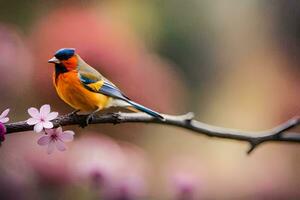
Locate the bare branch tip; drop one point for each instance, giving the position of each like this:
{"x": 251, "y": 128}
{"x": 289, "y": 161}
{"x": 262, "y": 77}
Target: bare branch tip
{"x": 250, "y": 150}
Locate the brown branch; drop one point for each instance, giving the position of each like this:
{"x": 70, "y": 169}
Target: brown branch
{"x": 277, "y": 134}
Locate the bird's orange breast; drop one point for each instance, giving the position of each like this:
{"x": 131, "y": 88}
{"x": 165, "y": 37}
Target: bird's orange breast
{"x": 70, "y": 89}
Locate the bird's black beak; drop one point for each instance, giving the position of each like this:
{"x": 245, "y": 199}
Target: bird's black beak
{"x": 54, "y": 60}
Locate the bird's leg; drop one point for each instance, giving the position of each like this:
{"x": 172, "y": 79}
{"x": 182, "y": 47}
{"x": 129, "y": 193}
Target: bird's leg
{"x": 74, "y": 112}
{"x": 88, "y": 119}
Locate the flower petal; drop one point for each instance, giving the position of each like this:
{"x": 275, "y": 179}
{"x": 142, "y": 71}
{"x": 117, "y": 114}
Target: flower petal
{"x": 45, "y": 110}
{"x": 60, "y": 145}
{"x": 58, "y": 131}
{"x": 38, "y": 127}
{"x": 44, "y": 140}
{"x": 51, "y": 116}
{"x": 32, "y": 121}
{"x": 4, "y": 120}
{"x": 33, "y": 112}
{"x": 50, "y": 147}
{"x": 4, "y": 113}
{"x": 67, "y": 136}
{"x": 49, "y": 131}
{"x": 2, "y": 132}
{"x": 48, "y": 125}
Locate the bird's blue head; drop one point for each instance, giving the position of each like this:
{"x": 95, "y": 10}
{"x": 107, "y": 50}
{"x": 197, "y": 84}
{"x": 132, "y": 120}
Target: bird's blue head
{"x": 65, "y": 59}
{"x": 64, "y": 53}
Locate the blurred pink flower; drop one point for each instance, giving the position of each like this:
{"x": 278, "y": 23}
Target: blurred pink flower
{"x": 97, "y": 159}
{"x": 2, "y": 132}
{"x": 3, "y": 116}
{"x": 16, "y": 59}
{"x": 41, "y": 119}
{"x": 185, "y": 178}
{"x": 56, "y": 138}
{"x": 185, "y": 185}
{"x": 3, "y": 119}
{"x": 130, "y": 182}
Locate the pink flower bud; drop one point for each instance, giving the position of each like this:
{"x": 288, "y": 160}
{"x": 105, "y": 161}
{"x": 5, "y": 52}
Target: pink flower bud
{"x": 2, "y": 132}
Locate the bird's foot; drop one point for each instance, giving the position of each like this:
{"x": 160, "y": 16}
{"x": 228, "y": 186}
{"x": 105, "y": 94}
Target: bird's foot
{"x": 85, "y": 122}
{"x": 89, "y": 118}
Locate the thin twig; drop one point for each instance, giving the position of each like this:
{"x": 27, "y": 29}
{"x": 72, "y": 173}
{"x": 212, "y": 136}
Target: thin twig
{"x": 277, "y": 134}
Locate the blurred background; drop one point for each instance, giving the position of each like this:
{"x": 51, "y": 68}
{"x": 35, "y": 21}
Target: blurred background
{"x": 234, "y": 63}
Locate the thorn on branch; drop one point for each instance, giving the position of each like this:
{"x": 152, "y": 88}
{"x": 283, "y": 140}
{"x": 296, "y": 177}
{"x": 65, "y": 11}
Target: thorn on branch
{"x": 252, "y": 147}
{"x": 189, "y": 116}
{"x": 253, "y": 144}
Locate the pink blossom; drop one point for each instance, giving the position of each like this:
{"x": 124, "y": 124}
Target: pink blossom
{"x": 2, "y": 132}
{"x": 56, "y": 138}
{"x": 3, "y": 118}
{"x": 185, "y": 177}
{"x": 41, "y": 119}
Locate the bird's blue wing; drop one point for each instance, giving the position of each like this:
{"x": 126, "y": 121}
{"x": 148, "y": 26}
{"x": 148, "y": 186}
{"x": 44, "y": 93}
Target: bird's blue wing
{"x": 88, "y": 78}
{"x": 110, "y": 90}
{"x": 103, "y": 86}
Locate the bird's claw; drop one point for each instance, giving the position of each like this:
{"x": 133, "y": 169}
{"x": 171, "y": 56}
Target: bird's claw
{"x": 86, "y": 121}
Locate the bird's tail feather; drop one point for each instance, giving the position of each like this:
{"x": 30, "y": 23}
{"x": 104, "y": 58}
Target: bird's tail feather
{"x": 145, "y": 109}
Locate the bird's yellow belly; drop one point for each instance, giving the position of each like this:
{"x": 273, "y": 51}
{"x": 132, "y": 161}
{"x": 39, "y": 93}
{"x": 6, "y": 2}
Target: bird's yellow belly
{"x": 76, "y": 95}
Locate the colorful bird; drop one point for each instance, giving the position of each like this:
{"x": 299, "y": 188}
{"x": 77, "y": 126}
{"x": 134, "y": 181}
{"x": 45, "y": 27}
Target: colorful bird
{"x": 85, "y": 89}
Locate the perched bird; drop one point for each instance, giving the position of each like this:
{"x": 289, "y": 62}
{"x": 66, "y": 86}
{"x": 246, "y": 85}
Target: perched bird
{"x": 85, "y": 89}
